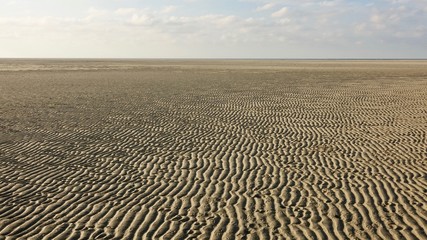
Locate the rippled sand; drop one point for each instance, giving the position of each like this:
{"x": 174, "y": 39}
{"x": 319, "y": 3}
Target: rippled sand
{"x": 168, "y": 149}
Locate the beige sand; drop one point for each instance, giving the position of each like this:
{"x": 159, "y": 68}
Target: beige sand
{"x": 213, "y": 149}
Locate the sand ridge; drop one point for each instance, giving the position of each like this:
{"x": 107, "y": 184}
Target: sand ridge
{"x": 214, "y": 150}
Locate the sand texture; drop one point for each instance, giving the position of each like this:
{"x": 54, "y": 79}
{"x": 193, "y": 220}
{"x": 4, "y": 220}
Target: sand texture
{"x": 192, "y": 149}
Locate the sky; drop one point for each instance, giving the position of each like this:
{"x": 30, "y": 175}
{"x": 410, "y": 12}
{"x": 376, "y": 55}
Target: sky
{"x": 213, "y": 29}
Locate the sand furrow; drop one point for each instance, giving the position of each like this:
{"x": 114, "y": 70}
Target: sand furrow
{"x": 213, "y": 150}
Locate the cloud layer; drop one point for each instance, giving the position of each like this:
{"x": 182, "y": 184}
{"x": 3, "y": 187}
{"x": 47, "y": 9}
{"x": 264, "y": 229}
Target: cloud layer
{"x": 203, "y": 28}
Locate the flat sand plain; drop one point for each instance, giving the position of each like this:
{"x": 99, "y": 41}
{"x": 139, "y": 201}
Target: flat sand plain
{"x": 169, "y": 149}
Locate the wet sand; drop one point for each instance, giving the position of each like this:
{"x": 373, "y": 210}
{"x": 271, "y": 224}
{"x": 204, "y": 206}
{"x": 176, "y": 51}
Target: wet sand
{"x": 173, "y": 149}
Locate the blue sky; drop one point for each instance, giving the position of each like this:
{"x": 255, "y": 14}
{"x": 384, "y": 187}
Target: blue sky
{"x": 214, "y": 29}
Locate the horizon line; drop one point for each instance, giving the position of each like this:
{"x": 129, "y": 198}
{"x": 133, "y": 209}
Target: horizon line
{"x": 184, "y": 58}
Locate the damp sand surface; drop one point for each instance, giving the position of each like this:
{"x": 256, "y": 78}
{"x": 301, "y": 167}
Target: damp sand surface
{"x": 204, "y": 149}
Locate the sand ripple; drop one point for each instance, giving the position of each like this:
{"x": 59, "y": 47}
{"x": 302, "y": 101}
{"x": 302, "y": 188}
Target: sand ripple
{"x": 181, "y": 153}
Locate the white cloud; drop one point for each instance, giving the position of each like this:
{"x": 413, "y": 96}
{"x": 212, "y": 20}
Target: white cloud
{"x": 125, "y": 11}
{"x": 265, "y": 7}
{"x": 137, "y": 19}
{"x": 224, "y": 21}
{"x": 329, "y": 25}
{"x": 330, "y": 3}
{"x": 168, "y": 9}
{"x": 280, "y": 13}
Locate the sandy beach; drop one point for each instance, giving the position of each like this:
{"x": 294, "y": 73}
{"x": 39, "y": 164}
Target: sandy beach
{"x": 213, "y": 149}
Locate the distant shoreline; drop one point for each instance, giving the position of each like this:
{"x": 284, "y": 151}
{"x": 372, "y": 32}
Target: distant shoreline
{"x": 222, "y": 59}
